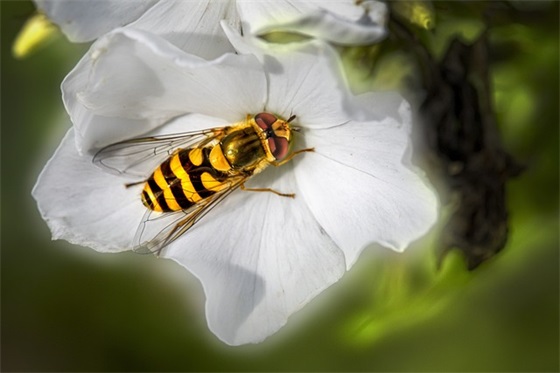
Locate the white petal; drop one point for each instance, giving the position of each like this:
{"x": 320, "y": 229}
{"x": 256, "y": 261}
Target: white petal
{"x": 260, "y": 257}
{"x": 84, "y": 205}
{"x": 132, "y": 82}
{"x": 307, "y": 81}
{"x": 189, "y": 122}
{"x": 258, "y": 15}
{"x": 342, "y": 22}
{"x": 359, "y": 189}
{"x": 367, "y": 11}
{"x": 87, "y": 20}
{"x": 193, "y": 26}
{"x": 304, "y": 79}
{"x": 381, "y": 105}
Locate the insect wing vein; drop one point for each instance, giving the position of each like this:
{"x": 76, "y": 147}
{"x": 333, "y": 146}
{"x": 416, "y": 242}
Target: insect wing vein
{"x": 140, "y": 156}
{"x": 158, "y": 230}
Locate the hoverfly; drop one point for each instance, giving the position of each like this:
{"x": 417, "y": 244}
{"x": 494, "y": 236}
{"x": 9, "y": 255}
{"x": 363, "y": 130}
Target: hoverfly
{"x": 194, "y": 171}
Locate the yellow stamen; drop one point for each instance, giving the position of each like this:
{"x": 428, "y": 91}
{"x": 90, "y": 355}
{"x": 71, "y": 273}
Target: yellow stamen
{"x": 35, "y": 33}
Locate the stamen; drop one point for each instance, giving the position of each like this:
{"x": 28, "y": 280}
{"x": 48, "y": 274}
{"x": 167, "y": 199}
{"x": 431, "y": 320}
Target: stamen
{"x": 35, "y": 33}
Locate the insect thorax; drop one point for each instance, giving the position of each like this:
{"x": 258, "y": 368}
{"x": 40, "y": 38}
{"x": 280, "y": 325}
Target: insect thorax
{"x": 243, "y": 149}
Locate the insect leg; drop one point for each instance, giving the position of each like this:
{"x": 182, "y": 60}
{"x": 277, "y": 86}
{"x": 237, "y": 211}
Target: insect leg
{"x": 289, "y": 158}
{"x": 290, "y": 195}
{"x": 128, "y": 185}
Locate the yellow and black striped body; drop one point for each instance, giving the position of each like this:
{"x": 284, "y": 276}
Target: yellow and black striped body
{"x": 191, "y": 175}
{"x": 182, "y": 180}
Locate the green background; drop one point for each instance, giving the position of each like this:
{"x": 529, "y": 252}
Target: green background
{"x": 68, "y": 308}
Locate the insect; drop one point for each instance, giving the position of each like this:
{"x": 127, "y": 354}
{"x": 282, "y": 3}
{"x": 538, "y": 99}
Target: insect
{"x": 192, "y": 172}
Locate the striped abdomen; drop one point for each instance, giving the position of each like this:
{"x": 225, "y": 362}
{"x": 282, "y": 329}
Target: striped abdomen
{"x": 182, "y": 180}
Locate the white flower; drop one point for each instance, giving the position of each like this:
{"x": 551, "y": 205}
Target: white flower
{"x": 194, "y": 25}
{"x": 260, "y": 257}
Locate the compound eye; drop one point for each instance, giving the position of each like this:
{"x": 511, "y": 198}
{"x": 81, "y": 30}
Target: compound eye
{"x": 278, "y": 147}
{"x": 265, "y": 120}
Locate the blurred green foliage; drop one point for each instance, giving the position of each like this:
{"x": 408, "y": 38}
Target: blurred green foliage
{"x": 67, "y": 308}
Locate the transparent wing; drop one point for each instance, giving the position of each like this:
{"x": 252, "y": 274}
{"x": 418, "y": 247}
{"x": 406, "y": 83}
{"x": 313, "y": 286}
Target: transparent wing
{"x": 141, "y": 156}
{"x": 157, "y": 230}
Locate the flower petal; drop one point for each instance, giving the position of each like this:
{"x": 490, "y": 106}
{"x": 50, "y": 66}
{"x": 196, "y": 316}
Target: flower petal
{"x": 84, "y": 21}
{"x": 358, "y": 168}
{"x": 193, "y": 26}
{"x": 132, "y": 82}
{"x": 356, "y": 11}
{"x": 304, "y": 79}
{"x": 260, "y": 257}
{"x": 342, "y": 22}
{"x": 258, "y": 15}
{"x": 84, "y": 205}
{"x": 308, "y": 82}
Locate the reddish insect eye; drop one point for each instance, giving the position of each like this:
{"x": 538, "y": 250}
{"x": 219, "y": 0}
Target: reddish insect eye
{"x": 265, "y": 120}
{"x": 278, "y": 147}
